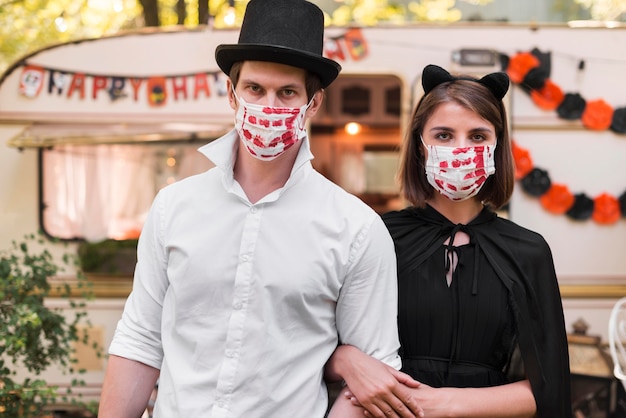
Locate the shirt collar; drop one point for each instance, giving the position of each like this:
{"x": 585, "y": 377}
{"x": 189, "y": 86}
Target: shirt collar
{"x": 222, "y": 153}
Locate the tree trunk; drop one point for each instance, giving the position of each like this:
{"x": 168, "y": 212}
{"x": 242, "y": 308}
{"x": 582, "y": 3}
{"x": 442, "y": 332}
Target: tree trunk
{"x": 181, "y": 11}
{"x": 203, "y": 12}
{"x": 150, "y": 12}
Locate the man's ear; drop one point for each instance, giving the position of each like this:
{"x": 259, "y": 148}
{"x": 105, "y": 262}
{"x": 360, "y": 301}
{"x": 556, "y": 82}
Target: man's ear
{"x": 231, "y": 95}
{"x": 316, "y": 103}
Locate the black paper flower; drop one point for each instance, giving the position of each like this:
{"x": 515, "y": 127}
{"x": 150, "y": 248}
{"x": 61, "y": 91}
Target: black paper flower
{"x": 582, "y": 209}
{"x": 537, "y": 182}
{"x": 618, "y": 123}
{"x": 572, "y": 106}
{"x": 545, "y": 60}
{"x": 535, "y": 79}
{"x": 622, "y": 204}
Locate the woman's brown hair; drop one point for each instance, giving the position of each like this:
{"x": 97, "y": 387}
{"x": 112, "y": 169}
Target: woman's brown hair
{"x": 473, "y": 96}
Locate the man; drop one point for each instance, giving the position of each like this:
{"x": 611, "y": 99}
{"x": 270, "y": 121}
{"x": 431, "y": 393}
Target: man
{"x": 250, "y": 274}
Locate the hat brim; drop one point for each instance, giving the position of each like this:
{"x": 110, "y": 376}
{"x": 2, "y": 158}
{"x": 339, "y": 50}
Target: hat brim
{"x": 326, "y": 69}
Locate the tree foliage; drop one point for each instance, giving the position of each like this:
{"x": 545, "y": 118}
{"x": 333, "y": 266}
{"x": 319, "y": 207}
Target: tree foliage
{"x": 29, "y": 25}
{"x": 611, "y": 10}
{"x": 33, "y": 336}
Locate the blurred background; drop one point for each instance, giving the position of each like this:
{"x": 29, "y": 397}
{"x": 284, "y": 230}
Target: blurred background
{"x": 28, "y": 25}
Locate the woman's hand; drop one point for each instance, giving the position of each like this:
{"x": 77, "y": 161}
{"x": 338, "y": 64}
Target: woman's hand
{"x": 512, "y": 400}
{"x": 382, "y": 390}
{"x": 433, "y": 402}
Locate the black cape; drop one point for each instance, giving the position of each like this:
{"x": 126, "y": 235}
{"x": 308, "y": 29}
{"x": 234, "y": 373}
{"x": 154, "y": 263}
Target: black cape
{"x": 523, "y": 261}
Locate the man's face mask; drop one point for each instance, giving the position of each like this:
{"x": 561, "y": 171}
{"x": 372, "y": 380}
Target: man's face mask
{"x": 459, "y": 173}
{"x": 268, "y": 131}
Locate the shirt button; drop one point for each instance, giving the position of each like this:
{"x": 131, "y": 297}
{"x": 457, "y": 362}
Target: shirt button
{"x": 253, "y": 209}
{"x": 245, "y": 257}
{"x": 237, "y": 305}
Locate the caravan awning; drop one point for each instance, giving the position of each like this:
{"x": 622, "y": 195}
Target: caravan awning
{"x": 42, "y": 135}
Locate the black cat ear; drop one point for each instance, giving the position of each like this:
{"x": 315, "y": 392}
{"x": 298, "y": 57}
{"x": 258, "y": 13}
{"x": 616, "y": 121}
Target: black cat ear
{"x": 497, "y": 83}
{"x": 432, "y": 76}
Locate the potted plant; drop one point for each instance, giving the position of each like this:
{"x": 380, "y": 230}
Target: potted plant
{"x": 33, "y": 336}
{"x": 108, "y": 257}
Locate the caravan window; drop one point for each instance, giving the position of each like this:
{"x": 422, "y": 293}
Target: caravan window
{"x": 98, "y": 192}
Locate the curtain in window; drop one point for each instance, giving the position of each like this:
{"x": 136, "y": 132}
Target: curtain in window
{"x": 97, "y": 192}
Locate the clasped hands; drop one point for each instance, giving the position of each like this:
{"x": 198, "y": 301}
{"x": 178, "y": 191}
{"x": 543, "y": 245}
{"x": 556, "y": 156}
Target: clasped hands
{"x": 380, "y": 390}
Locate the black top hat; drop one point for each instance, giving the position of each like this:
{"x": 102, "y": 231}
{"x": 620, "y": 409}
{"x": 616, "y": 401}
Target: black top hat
{"x": 288, "y": 32}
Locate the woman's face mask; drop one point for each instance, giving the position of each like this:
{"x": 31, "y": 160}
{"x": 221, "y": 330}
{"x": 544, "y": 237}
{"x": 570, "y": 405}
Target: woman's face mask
{"x": 268, "y": 131}
{"x": 459, "y": 172}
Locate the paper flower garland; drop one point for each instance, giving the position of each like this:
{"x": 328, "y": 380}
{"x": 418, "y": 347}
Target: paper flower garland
{"x": 557, "y": 198}
{"x": 531, "y": 71}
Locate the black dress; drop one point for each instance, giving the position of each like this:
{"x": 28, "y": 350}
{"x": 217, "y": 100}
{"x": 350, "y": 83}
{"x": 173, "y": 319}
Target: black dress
{"x": 461, "y": 335}
{"x": 503, "y": 294}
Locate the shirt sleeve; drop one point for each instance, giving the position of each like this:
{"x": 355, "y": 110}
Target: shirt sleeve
{"x": 367, "y": 306}
{"x": 138, "y": 333}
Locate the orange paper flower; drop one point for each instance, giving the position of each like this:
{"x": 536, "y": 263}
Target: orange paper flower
{"x": 558, "y": 199}
{"x": 597, "y": 115}
{"x": 523, "y": 161}
{"x": 520, "y": 64}
{"x": 549, "y": 97}
{"x": 606, "y": 209}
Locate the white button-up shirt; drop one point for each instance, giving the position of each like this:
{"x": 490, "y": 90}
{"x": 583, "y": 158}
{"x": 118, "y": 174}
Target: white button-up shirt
{"x": 240, "y": 305}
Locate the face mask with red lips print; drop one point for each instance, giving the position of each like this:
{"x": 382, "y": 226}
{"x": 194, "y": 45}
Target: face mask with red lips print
{"x": 459, "y": 173}
{"x": 268, "y": 131}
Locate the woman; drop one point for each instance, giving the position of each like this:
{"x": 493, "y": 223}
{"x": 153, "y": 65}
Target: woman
{"x": 476, "y": 292}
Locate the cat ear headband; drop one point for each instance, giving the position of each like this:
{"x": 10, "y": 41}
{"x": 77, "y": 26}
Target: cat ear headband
{"x": 432, "y": 76}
